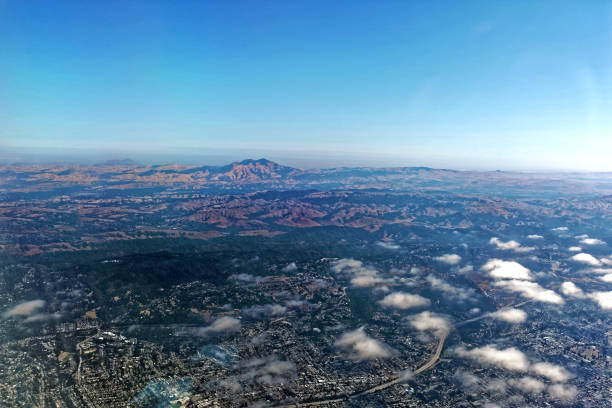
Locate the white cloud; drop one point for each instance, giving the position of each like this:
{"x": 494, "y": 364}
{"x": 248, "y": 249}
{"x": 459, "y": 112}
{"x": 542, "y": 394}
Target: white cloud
{"x": 530, "y": 290}
{"x": 586, "y": 259}
{"x": 402, "y": 300}
{"x": 42, "y": 317}
{"x": 465, "y": 269}
{"x": 575, "y": 249}
{"x": 225, "y": 324}
{"x": 362, "y": 346}
{"x": 246, "y": 277}
{"x": 534, "y": 236}
{"x": 388, "y": 245}
{"x": 607, "y": 278}
{"x": 405, "y": 375}
{"x": 510, "y": 315}
{"x": 560, "y": 229}
{"x": 528, "y": 384}
{"x": 428, "y": 321}
{"x": 268, "y": 371}
{"x": 509, "y": 358}
{"x": 415, "y": 271}
{"x": 290, "y": 267}
{"x": 362, "y": 276}
{"x": 551, "y": 371}
{"x": 460, "y": 294}
{"x": 345, "y": 263}
{"x": 506, "y": 270}
{"x": 515, "y": 360}
{"x": 267, "y": 310}
{"x": 451, "y": 259}
{"x": 592, "y": 241}
{"x": 604, "y": 299}
{"x": 562, "y": 392}
{"x": 570, "y": 289}
{"x": 600, "y": 270}
{"x": 497, "y": 386}
{"x": 466, "y": 379}
{"x": 24, "y": 308}
{"x": 511, "y": 245}
{"x": 366, "y": 281}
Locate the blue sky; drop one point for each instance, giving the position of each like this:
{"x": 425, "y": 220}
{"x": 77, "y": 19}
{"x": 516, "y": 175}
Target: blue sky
{"x": 475, "y": 84}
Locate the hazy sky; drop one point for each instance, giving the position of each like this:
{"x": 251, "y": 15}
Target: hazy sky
{"x": 474, "y": 84}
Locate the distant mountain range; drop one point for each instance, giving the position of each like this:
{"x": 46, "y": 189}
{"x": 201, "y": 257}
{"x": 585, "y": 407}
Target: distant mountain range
{"x": 47, "y": 208}
{"x": 263, "y": 174}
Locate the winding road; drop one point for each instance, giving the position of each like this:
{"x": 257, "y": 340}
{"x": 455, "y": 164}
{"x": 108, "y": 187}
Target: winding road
{"x": 429, "y": 364}
{"x": 395, "y": 380}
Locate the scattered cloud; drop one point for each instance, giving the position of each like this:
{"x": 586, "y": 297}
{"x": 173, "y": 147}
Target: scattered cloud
{"x": 586, "y": 240}
{"x": 570, "y": 289}
{"x": 260, "y": 339}
{"x": 560, "y": 229}
{"x": 506, "y": 269}
{"x": 290, "y": 267}
{"x": 405, "y": 375}
{"x": 531, "y": 290}
{"x": 497, "y": 386}
{"x": 366, "y": 281}
{"x": 465, "y": 269}
{"x": 607, "y": 278}
{"x": 451, "y": 259}
{"x": 24, "y": 309}
{"x": 562, "y": 392}
{"x": 466, "y": 379}
{"x": 246, "y": 277}
{"x": 551, "y": 371}
{"x": 510, "y": 315}
{"x": 604, "y": 299}
{"x": 528, "y": 384}
{"x": 230, "y": 385}
{"x": 586, "y": 259}
{"x": 574, "y": 249}
{"x": 513, "y": 359}
{"x": 600, "y": 270}
{"x": 263, "y": 311}
{"x": 403, "y": 300}
{"x": 223, "y": 325}
{"x": 268, "y": 371}
{"x": 511, "y": 245}
{"x": 361, "y": 275}
{"x": 428, "y": 321}
{"x": 509, "y": 358}
{"x": 387, "y": 245}
{"x": 461, "y": 294}
{"x": 42, "y": 317}
{"x": 345, "y": 263}
{"x": 535, "y": 236}
{"x": 363, "y": 347}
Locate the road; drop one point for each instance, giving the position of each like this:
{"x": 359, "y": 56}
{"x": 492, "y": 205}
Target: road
{"x": 429, "y": 364}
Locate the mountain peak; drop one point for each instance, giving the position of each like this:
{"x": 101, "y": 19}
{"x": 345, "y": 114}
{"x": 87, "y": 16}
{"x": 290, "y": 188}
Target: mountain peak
{"x": 262, "y": 161}
{"x": 252, "y": 170}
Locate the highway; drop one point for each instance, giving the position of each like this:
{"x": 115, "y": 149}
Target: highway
{"x": 429, "y": 364}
